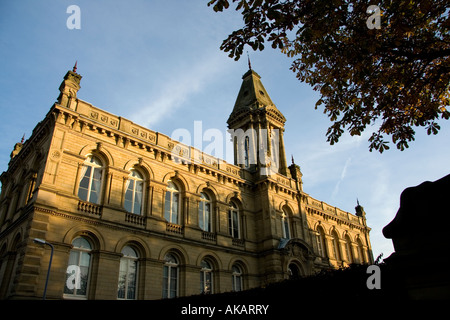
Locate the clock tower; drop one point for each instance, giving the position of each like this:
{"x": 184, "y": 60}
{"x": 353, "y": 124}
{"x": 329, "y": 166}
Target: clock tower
{"x": 256, "y": 127}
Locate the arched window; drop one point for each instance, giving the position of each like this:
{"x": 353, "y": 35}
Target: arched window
{"x": 348, "y": 249}
{"x": 335, "y": 243}
{"x": 321, "y": 246}
{"x": 172, "y": 203}
{"x": 362, "y": 258}
{"x": 206, "y": 280}
{"x": 134, "y": 193}
{"x": 170, "y": 276}
{"x": 128, "y": 274}
{"x": 77, "y": 273}
{"x": 285, "y": 224}
{"x": 293, "y": 271}
{"x": 91, "y": 181}
{"x": 247, "y": 152}
{"x": 204, "y": 212}
{"x": 236, "y": 277}
{"x": 233, "y": 221}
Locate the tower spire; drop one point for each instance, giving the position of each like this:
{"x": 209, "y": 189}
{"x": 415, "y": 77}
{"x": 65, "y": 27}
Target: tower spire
{"x": 249, "y": 63}
{"x": 69, "y": 88}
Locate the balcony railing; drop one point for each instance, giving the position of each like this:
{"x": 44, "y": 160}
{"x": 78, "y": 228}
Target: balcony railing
{"x": 208, "y": 236}
{"x": 175, "y": 228}
{"x": 238, "y": 242}
{"x": 135, "y": 219}
{"x": 89, "y": 207}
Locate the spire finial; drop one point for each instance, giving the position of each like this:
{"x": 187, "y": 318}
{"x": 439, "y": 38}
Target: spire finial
{"x": 357, "y": 201}
{"x": 23, "y": 139}
{"x": 249, "y": 63}
{"x": 292, "y": 156}
{"x": 75, "y": 66}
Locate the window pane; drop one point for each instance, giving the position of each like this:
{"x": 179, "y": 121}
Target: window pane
{"x": 129, "y": 252}
{"x": 138, "y": 197}
{"x": 84, "y": 281}
{"x": 167, "y": 205}
{"x": 200, "y": 215}
{"x": 207, "y": 217}
{"x": 128, "y": 204}
{"x": 85, "y": 259}
{"x": 173, "y": 282}
{"x": 131, "y": 279}
{"x": 122, "y": 279}
{"x": 165, "y": 281}
{"x": 70, "y": 273}
{"x": 84, "y": 185}
{"x": 286, "y": 228}
{"x": 95, "y": 161}
{"x": 235, "y": 225}
{"x": 175, "y": 200}
{"x": 81, "y": 242}
{"x": 83, "y": 194}
{"x": 94, "y": 196}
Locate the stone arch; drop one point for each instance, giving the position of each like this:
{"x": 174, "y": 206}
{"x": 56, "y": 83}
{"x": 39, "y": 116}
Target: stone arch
{"x": 240, "y": 261}
{"x": 177, "y": 250}
{"x": 179, "y": 179}
{"x": 17, "y": 239}
{"x": 210, "y": 190}
{"x": 236, "y": 197}
{"x": 136, "y": 242}
{"x": 333, "y": 229}
{"x": 212, "y": 257}
{"x": 140, "y": 164}
{"x": 87, "y": 231}
{"x": 286, "y": 204}
{"x": 295, "y": 268}
{"x": 98, "y": 150}
{"x": 318, "y": 226}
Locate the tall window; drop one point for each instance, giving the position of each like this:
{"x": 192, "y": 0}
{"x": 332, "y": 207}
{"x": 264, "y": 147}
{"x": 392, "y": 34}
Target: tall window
{"x": 206, "y": 281}
{"x": 172, "y": 203}
{"x": 285, "y": 225}
{"x": 170, "y": 276}
{"x": 348, "y": 249}
{"x": 91, "y": 181}
{"x": 233, "y": 221}
{"x": 321, "y": 247}
{"x": 335, "y": 243}
{"x": 362, "y": 258}
{"x": 128, "y": 274}
{"x": 237, "y": 278}
{"x": 134, "y": 192}
{"x": 77, "y": 273}
{"x": 293, "y": 271}
{"x": 247, "y": 151}
{"x": 204, "y": 212}
{"x": 31, "y": 187}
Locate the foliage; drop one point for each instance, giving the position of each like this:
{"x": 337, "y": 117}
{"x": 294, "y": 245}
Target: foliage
{"x": 395, "y": 77}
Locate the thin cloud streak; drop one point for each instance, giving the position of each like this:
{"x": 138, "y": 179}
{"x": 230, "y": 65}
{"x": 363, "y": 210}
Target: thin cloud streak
{"x": 175, "y": 92}
{"x": 343, "y": 174}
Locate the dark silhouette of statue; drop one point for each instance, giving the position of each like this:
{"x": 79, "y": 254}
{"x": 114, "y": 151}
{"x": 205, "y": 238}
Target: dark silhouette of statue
{"x": 420, "y": 234}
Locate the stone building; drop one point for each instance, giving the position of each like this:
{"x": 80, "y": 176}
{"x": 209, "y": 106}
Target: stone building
{"x": 129, "y": 213}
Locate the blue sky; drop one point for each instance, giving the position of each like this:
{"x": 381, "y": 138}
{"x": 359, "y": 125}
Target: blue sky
{"x": 158, "y": 63}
